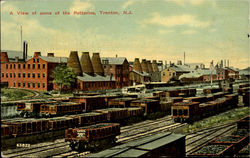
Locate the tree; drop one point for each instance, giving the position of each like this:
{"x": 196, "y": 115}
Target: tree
{"x": 63, "y": 76}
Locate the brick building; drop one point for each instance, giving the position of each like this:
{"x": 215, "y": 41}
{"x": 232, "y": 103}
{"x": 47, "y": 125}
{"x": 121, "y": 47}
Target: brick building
{"x": 174, "y": 71}
{"x": 199, "y": 75}
{"x": 137, "y": 75}
{"x": 117, "y": 67}
{"x": 30, "y": 72}
{"x": 233, "y": 72}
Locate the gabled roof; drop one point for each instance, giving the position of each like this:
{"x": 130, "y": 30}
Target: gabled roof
{"x": 114, "y": 60}
{"x": 142, "y": 74}
{"x": 95, "y": 78}
{"x": 180, "y": 68}
{"x": 232, "y": 68}
{"x": 198, "y": 73}
{"x": 55, "y": 59}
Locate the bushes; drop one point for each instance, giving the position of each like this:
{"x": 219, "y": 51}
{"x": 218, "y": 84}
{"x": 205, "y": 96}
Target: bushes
{"x": 15, "y": 94}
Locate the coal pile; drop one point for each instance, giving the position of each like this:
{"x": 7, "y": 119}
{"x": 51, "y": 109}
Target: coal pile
{"x": 228, "y": 139}
{"x": 211, "y": 149}
{"x": 240, "y": 132}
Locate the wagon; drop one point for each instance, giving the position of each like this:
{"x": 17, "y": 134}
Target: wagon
{"x": 92, "y": 137}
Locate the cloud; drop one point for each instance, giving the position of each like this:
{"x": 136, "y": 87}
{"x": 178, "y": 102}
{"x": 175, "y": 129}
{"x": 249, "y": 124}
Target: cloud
{"x": 171, "y": 21}
{"x": 81, "y": 6}
{"x": 184, "y": 2}
{"x": 128, "y": 3}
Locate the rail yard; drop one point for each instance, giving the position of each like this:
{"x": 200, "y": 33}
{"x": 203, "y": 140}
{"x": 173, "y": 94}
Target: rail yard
{"x": 116, "y": 125}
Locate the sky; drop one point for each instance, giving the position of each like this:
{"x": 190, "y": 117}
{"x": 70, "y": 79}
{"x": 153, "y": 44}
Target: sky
{"x": 205, "y": 30}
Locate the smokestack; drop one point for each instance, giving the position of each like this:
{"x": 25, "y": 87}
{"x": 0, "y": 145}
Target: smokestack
{"x": 184, "y": 58}
{"x": 144, "y": 65}
{"x": 221, "y": 63}
{"x": 150, "y": 68}
{"x": 36, "y": 54}
{"x": 74, "y": 63}
{"x": 137, "y": 65}
{"x": 155, "y": 67}
{"x": 51, "y": 54}
{"x": 4, "y": 57}
{"x": 228, "y": 63}
{"x": 97, "y": 65}
{"x": 26, "y": 50}
{"x": 86, "y": 64}
{"x": 225, "y": 64}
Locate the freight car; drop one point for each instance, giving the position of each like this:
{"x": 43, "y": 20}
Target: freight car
{"x": 93, "y": 136}
{"x": 114, "y": 114}
{"x": 148, "y": 105}
{"x": 120, "y": 102}
{"x": 189, "y": 111}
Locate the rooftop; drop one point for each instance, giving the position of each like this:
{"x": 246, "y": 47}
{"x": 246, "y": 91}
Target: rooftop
{"x": 114, "y": 60}
{"x": 95, "y": 78}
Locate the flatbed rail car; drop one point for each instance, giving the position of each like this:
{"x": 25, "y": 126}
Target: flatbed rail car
{"x": 192, "y": 111}
{"x": 60, "y": 108}
{"x": 31, "y": 108}
{"x": 92, "y": 137}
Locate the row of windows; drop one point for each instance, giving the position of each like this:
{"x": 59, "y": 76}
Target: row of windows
{"x": 24, "y": 84}
{"x": 169, "y": 74}
{"x": 23, "y": 75}
{"x": 34, "y": 60}
{"x": 96, "y": 84}
{"x": 10, "y": 66}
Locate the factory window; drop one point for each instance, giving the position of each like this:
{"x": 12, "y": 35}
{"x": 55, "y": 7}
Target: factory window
{"x": 110, "y": 66}
{"x": 19, "y": 66}
{"x": 104, "y": 66}
{"x": 163, "y": 73}
{"x": 37, "y": 60}
{"x": 38, "y": 75}
{"x": 34, "y": 66}
{"x": 19, "y": 84}
{"x": 43, "y": 66}
{"x": 38, "y": 66}
{"x": 23, "y": 66}
{"x": 23, "y": 75}
{"x": 43, "y": 85}
{"x": 14, "y": 75}
{"x": 34, "y": 60}
{"x": 185, "y": 112}
{"x": 28, "y": 75}
{"x": 28, "y": 85}
{"x": 38, "y": 85}
{"x": 28, "y": 66}
{"x": 10, "y": 66}
{"x": 180, "y": 111}
{"x": 14, "y": 66}
{"x": 173, "y": 74}
{"x": 43, "y": 75}
{"x": 170, "y": 74}
{"x": 34, "y": 85}
{"x": 2, "y": 74}
{"x": 10, "y": 75}
{"x": 19, "y": 75}
{"x": 6, "y": 66}
{"x": 33, "y": 75}
{"x": 14, "y": 84}
{"x": 23, "y": 84}
{"x": 174, "y": 112}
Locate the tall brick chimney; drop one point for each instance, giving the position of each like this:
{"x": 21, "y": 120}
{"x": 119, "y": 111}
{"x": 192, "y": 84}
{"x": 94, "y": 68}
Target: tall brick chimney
{"x": 86, "y": 64}
{"x": 74, "y": 63}
{"x": 4, "y": 57}
{"x": 137, "y": 65}
{"x": 97, "y": 65}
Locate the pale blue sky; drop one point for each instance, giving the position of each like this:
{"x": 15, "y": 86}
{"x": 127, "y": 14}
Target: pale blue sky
{"x": 157, "y": 29}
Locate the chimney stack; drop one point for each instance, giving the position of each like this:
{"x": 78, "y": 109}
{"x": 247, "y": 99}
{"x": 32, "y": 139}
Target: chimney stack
{"x": 26, "y": 50}
{"x": 16, "y": 59}
{"x": 150, "y": 68}
{"x": 50, "y": 55}
{"x": 155, "y": 67}
{"x": 144, "y": 65}
{"x": 86, "y": 64}
{"x": 225, "y": 64}
{"x": 36, "y": 54}
{"x": 4, "y": 57}
{"x": 97, "y": 65}
{"x": 137, "y": 65}
{"x": 228, "y": 63}
{"x": 74, "y": 63}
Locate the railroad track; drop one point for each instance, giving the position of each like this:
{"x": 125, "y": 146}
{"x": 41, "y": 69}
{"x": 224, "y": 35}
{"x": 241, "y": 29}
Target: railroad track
{"x": 62, "y": 149}
{"x": 193, "y": 141}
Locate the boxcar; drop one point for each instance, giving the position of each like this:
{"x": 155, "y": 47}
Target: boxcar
{"x": 148, "y": 105}
{"x": 114, "y": 114}
{"x": 91, "y": 118}
{"x": 91, "y": 137}
{"x": 120, "y": 102}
